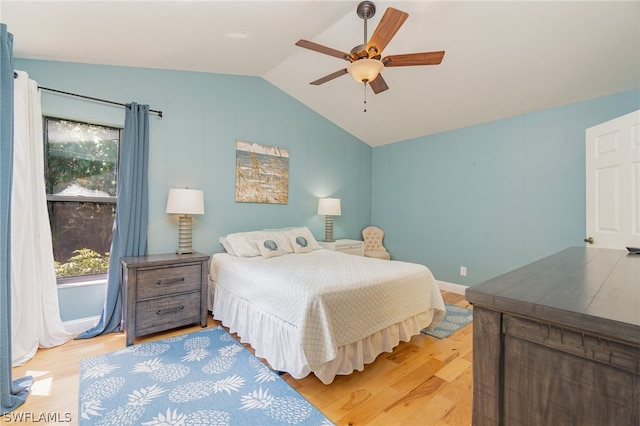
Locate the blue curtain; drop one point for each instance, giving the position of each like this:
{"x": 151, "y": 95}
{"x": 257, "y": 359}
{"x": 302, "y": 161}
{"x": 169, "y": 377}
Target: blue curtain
{"x": 12, "y": 393}
{"x": 130, "y": 226}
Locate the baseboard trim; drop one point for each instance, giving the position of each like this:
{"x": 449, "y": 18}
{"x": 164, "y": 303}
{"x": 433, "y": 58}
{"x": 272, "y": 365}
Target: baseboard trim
{"x": 79, "y": 325}
{"x": 452, "y": 287}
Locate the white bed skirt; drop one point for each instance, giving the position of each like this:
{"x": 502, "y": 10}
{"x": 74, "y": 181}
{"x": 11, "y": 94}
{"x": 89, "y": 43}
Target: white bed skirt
{"x": 277, "y": 341}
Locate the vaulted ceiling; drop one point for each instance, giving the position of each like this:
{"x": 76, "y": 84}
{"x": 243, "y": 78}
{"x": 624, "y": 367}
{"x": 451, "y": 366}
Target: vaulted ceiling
{"x": 503, "y": 58}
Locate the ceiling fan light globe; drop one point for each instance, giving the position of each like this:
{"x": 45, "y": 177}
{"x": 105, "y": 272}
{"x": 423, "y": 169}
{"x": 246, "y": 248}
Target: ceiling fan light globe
{"x": 365, "y": 69}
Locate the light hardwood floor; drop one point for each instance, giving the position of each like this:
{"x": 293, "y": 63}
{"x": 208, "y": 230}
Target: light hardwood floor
{"x": 425, "y": 381}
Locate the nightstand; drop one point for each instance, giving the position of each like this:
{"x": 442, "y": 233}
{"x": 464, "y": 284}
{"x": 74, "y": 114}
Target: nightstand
{"x": 345, "y": 246}
{"x": 163, "y": 291}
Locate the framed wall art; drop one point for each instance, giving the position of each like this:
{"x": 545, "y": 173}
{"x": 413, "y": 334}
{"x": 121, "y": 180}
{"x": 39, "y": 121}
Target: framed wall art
{"x": 262, "y": 173}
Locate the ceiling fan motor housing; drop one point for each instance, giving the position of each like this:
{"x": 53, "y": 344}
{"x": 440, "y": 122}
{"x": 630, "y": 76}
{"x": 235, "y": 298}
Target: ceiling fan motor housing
{"x": 360, "y": 52}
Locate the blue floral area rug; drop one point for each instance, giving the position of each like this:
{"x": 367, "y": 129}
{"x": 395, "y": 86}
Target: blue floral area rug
{"x": 202, "y": 378}
{"x": 455, "y": 318}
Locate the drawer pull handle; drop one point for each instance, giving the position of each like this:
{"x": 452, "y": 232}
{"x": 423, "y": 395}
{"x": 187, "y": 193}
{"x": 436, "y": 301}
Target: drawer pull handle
{"x": 173, "y": 281}
{"x": 170, "y": 311}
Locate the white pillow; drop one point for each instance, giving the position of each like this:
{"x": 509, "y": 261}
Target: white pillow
{"x": 227, "y": 246}
{"x": 245, "y": 244}
{"x": 269, "y": 248}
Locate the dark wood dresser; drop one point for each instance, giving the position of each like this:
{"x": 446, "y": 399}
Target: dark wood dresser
{"x": 163, "y": 291}
{"x": 557, "y": 342}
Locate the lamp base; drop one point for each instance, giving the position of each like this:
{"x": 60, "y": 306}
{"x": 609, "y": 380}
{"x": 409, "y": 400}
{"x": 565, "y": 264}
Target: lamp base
{"x": 185, "y": 227}
{"x": 328, "y": 229}
{"x": 186, "y": 251}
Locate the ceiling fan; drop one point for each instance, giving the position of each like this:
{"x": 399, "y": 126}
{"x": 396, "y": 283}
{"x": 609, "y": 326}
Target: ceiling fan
{"x": 365, "y": 61}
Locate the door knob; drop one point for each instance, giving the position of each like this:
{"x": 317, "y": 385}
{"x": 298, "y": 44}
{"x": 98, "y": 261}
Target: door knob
{"x": 589, "y": 240}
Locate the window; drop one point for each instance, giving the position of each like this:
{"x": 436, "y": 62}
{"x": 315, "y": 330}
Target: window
{"x": 81, "y": 173}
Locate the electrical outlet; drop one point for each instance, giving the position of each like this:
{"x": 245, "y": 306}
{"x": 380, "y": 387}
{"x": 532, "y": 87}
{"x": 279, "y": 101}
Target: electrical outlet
{"x": 463, "y": 271}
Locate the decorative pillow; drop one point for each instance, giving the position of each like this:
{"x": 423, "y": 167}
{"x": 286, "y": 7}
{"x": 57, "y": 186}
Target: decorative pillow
{"x": 281, "y": 237}
{"x": 286, "y": 236}
{"x": 306, "y": 233}
{"x": 244, "y": 244}
{"x": 300, "y": 244}
{"x": 269, "y": 248}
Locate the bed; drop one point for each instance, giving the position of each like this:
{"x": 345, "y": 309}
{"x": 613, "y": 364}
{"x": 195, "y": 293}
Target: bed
{"x": 305, "y": 309}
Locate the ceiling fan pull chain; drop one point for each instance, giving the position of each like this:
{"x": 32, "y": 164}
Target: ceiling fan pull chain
{"x": 365, "y": 96}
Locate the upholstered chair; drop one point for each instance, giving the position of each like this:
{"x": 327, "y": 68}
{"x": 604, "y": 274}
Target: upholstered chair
{"x": 373, "y": 247}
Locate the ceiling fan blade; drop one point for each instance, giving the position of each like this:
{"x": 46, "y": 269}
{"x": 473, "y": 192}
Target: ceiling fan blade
{"x": 389, "y": 25}
{"x": 409, "y": 59}
{"x": 378, "y": 84}
{"x": 324, "y": 49}
{"x": 329, "y": 77}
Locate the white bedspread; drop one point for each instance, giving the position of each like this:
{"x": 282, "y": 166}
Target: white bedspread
{"x": 332, "y": 299}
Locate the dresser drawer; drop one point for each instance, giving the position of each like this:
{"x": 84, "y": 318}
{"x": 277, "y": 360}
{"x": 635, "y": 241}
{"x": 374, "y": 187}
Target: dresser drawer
{"x": 175, "y": 310}
{"x": 169, "y": 280}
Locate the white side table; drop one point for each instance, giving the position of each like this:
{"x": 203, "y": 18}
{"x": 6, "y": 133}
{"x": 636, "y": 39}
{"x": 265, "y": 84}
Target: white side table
{"x": 355, "y": 247}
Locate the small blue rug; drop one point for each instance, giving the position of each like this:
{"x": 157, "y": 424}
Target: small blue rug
{"x": 455, "y": 318}
{"x": 201, "y": 378}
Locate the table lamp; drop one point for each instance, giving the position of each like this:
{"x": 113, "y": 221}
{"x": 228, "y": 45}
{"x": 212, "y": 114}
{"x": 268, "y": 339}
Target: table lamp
{"x": 329, "y": 207}
{"x": 185, "y": 202}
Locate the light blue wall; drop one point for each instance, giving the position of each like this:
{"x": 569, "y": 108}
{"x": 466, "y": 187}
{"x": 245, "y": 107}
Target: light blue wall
{"x": 490, "y": 197}
{"x": 194, "y": 145}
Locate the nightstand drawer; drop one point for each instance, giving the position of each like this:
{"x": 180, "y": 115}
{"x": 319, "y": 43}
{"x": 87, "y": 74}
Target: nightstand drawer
{"x": 345, "y": 246}
{"x": 170, "y": 280}
{"x": 175, "y": 310}
{"x": 357, "y": 250}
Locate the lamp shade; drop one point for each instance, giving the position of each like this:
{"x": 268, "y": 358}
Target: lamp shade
{"x": 185, "y": 201}
{"x": 365, "y": 69}
{"x": 329, "y": 207}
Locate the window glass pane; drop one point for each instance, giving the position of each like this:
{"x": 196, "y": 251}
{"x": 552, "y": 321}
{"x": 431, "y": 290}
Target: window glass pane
{"x": 81, "y": 170}
{"x": 82, "y": 159}
{"x": 81, "y": 234}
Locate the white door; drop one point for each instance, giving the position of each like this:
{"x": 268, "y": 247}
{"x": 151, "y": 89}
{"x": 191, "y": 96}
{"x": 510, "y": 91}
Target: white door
{"x": 613, "y": 183}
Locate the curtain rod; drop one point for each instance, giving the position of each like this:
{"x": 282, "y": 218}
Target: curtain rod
{"x": 159, "y": 113}
{"x": 96, "y": 99}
